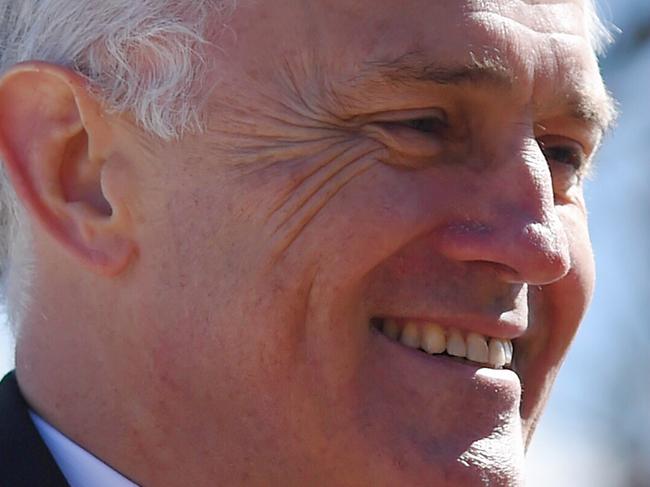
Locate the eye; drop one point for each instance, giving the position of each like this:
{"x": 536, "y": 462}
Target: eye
{"x": 422, "y": 121}
{"x": 566, "y": 160}
{"x": 565, "y": 155}
{"x": 413, "y": 138}
{"x": 426, "y": 124}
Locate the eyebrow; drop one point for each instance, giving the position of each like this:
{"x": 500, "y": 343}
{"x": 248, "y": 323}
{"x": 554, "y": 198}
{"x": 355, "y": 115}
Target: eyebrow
{"x": 412, "y": 67}
{"x": 600, "y": 112}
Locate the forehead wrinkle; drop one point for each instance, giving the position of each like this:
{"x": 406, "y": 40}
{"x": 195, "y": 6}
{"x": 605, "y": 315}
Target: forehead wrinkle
{"x": 539, "y": 17}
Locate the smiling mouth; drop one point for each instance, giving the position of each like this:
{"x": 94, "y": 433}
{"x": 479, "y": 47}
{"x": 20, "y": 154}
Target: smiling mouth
{"x": 433, "y": 339}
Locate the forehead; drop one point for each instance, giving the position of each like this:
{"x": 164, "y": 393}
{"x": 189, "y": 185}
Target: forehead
{"x": 427, "y": 21}
{"x": 542, "y": 46}
{"x": 446, "y": 28}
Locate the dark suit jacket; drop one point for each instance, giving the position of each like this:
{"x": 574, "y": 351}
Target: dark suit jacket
{"x": 25, "y": 461}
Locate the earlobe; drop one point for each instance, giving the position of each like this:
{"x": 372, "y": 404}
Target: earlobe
{"x": 57, "y": 145}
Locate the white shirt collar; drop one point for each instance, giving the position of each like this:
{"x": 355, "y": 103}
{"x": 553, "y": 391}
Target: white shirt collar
{"x": 79, "y": 467}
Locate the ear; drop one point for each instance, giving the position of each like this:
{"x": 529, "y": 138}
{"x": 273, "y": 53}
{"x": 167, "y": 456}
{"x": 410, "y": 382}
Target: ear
{"x": 56, "y": 143}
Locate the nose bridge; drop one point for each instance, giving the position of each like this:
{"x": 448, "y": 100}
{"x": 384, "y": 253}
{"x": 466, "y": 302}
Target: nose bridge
{"x": 512, "y": 219}
{"x": 526, "y": 199}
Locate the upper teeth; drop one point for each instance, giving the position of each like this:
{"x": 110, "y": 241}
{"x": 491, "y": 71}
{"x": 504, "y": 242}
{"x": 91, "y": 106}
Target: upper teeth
{"x": 434, "y": 339}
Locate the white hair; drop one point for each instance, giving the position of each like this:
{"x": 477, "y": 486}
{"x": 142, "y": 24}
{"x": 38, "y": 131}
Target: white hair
{"x": 600, "y": 34}
{"x": 145, "y": 57}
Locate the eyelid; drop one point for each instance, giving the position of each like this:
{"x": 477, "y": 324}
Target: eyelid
{"x": 407, "y": 146}
{"x": 560, "y": 140}
{"x": 557, "y": 132}
{"x": 405, "y": 115}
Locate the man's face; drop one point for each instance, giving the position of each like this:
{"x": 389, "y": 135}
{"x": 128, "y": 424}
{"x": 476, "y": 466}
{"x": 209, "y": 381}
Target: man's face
{"x": 370, "y": 164}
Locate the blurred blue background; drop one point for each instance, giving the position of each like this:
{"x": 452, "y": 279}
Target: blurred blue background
{"x": 596, "y": 431}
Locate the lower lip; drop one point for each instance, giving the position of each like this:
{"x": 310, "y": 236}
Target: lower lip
{"x": 503, "y": 380}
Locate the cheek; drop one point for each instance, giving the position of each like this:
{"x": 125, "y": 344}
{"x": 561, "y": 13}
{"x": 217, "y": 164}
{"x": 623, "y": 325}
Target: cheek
{"x": 579, "y": 286}
{"x": 374, "y": 216}
{"x": 311, "y": 193}
{"x": 560, "y": 307}
{"x": 556, "y": 311}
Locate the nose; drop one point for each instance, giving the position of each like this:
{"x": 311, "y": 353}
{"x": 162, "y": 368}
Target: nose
{"x": 510, "y": 220}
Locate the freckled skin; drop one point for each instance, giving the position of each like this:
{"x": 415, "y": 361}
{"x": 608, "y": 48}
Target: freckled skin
{"x": 268, "y": 243}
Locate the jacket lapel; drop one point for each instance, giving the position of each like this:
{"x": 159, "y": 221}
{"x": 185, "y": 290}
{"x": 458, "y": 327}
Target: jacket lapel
{"x": 25, "y": 461}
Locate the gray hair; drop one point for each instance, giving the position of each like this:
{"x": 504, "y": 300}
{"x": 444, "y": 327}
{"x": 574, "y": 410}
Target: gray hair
{"x": 145, "y": 57}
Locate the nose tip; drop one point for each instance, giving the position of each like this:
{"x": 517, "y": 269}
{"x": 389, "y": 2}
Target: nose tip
{"x": 511, "y": 219}
{"x": 540, "y": 255}
{"x": 534, "y": 252}
{"x": 516, "y": 225}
